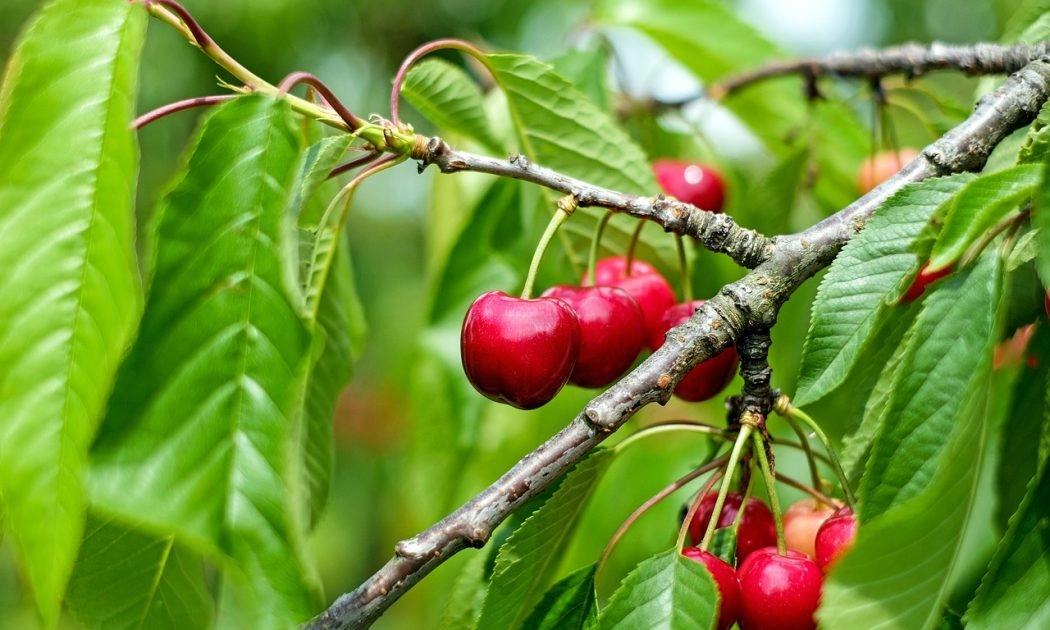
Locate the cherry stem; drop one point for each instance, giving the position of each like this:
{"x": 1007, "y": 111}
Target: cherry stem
{"x": 296, "y": 78}
{"x": 179, "y": 106}
{"x": 813, "y": 492}
{"x": 592, "y": 256}
{"x": 668, "y": 427}
{"x": 631, "y": 247}
{"x": 683, "y": 269}
{"x": 683, "y": 530}
{"x": 803, "y": 440}
{"x": 769, "y": 475}
{"x": 796, "y": 445}
{"x": 723, "y": 491}
{"x": 786, "y": 408}
{"x": 566, "y": 206}
{"x": 645, "y": 507}
{"x": 419, "y": 53}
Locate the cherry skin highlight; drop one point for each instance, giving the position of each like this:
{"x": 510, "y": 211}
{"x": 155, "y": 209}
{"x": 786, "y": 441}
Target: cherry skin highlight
{"x": 693, "y": 183}
{"x": 779, "y": 592}
{"x": 727, "y": 582}
{"x": 517, "y": 351}
{"x": 756, "y": 525}
{"x": 801, "y": 522}
{"x": 644, "y": 283}
{"x": 708, "y": 378}
{"x": 611, "y": 332}
{"x": 835, "y": 537}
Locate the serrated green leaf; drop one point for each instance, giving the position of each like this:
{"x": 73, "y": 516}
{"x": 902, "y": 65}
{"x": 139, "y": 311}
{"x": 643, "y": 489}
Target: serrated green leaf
{"x": 587, "y": 70}
{"x": 852, "y": 299}
{"x": 1024, "y": 250}
{"x": 321, "y": 157}
{"x": 979, "y": 207}
{"x": 666, "y": 592}
{"x": 915, "y": 506}
{"x": 1037, "y": 141}
{"x": 70, "y": 280}
{"x": 530, "y": 557}
{"x": 560, "y": 128}
{"x": 126, "y": 578}
{"x": 200, "y": 425}
{"x": 948, "y": 345}
{"x": 1041, "y": 222}
{"x": 450, "y": 99}
{"x": 467, "y": 595}
{"x": 1013, "y": 592}
{"x": 568, "y": 605}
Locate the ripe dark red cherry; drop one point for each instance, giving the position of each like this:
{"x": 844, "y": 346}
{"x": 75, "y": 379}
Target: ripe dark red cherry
{"x": 706, "y": 379}
{"x": 779, "y": 592}
{"x": 923, "y": 280}
{"x": 835, "y": 538}
{"x": 645, "y": 284}
{"x": 693, "y": 183}
{"x": 611, "y": 332}
{"x": 801, "y": 522}
{"x": 727, "y": 582}
{"x": 756, "y": 525}
{"x": 520, "y": 352}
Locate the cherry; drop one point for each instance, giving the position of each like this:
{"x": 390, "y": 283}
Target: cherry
{"x": 801, "y": 522}
{"x": 924, "y": 278}
{"x": 645, "y": 284}
{"x": 756, "y": 525}
{"x": 611, "y": 332}
{"x": 882, "y": 166}
{"x": 727, "y": 582}
{"x": 693, "y": 183}
{"x": 779, "y": 592}
{"x": 707, "y": 378}
{"x": 835, "y": 537}
{"x": 519, "y": 351}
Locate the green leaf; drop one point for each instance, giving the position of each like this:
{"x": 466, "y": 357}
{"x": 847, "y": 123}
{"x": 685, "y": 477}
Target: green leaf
{"x": 1037, "y": 141}
{"x": 568, "y": 605}
{"x": 587, "y": 69}
{"x": 665, "y": 592}
{"x": 125, "y": 578}
{"x": 467, "y": 595}
{"x": 1024, "y": 250}
{"x": 1013, "y": 592}
{"x": 561, "y": 129}
{"x": 321, "y": 157}
{"x": 530, "y": 557}
{"x": 919, "y": 520}
{"x": 200, "y": 425}
{"x": 852, "y": 299}
{"x": 450, "y": 99}
{"x": 70, "y": 281}
{"x": 979, "y": 207}
{"x": 1041, "y": 222}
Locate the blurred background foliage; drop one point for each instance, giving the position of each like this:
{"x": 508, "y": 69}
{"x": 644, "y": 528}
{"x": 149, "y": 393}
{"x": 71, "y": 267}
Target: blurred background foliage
{"x": 401, "y": 463}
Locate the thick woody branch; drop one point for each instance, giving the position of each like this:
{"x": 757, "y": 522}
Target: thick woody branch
{"x": 911, "y": 60}
{"x": 715, "y": 231}
{"x": 746, "y": 306}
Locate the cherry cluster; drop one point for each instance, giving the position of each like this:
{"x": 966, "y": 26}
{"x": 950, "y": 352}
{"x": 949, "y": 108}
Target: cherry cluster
{"x": 770, "y": 590}
{"x": 522, "y": 351}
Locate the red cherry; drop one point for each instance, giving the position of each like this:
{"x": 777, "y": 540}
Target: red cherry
{"x": 801, "y": 522}
{"x": 645, "y": 284}
{"x": 611, "y": 332}
{"x": 756, "y": 525}
{"x": 709, "y": 377}
{"x": 519, "y": 351}
{"x": 727, "y": 582}
{"x": 882, "y": 166}
{"x": 835, "y": 537}
{"x": 779, "y": 592}
{"x": 693, "y": 183}
{"x": 922, "y": 280}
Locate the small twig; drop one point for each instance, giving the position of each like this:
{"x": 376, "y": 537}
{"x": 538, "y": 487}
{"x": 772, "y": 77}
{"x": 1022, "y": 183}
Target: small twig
{"x": 911, "y": 60}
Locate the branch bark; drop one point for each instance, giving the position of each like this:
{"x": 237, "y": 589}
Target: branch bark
{"x": 750, "y": 304}
{"x": 911, "y": 60}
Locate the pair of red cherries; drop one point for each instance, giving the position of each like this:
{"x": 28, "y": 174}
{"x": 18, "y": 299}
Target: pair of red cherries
{"x": 767, "y": 590}
{"x": 523, "y": 351}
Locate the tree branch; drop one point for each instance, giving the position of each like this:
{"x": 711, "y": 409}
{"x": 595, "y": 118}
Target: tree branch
{"x": 747, "y": 305}
{"x": 911, "y": 60}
